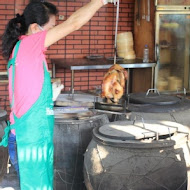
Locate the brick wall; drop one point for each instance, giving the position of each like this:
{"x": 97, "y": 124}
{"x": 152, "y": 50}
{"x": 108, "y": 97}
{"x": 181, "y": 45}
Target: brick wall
{"x": 7, "y": 11}
{"x": 96, "y": 37}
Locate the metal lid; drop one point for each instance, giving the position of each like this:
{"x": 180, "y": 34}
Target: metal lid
{"x": 153, "y": 98}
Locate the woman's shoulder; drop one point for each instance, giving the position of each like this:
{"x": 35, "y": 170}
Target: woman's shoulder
{"x": 34, "y": 40}
{"x": 32, "y": 37}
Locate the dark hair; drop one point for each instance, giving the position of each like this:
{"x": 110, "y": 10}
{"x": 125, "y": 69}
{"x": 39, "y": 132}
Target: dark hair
{"x": 35, "y": 12}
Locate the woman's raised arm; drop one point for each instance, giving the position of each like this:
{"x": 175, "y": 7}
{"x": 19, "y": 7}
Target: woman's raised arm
{"x": 75, "y": 21}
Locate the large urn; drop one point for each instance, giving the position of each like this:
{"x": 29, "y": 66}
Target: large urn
{"x": 137, "y": 155}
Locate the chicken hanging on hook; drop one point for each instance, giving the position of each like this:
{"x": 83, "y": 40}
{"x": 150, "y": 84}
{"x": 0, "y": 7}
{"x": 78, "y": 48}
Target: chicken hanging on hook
{"x": 113, "y": 85}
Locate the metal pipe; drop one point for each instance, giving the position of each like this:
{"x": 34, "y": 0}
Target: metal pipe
{"x": 116, "y": 28}
{"x": 72, "y": 81}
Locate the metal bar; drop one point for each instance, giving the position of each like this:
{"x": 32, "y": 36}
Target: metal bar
{"x": 128, "y": 82}
{"x": 89, "y": 53}
{"x": 72, "y": 81}
{"x": 126, "y": 66}
{"x": 112, "y": 112}
{"x": 173, "y": 7}
{"x": 142, "y": 119}
{"x": 144, "y": 127}
{"x": 116, "y": 28}
{"x": 152, "y": 82}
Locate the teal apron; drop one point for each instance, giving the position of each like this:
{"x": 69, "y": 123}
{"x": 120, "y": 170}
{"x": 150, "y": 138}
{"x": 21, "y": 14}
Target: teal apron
{"x": 34, "y": 136}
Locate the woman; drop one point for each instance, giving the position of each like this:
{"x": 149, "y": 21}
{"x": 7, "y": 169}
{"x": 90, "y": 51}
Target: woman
{"x": 25, "y": 40}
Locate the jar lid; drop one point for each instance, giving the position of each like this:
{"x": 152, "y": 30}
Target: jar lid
{"x": 126, "y": 130}
{"x": 76, "y": 99}
{"x": 153, "y": 98}
{"x": 153, "y": 132}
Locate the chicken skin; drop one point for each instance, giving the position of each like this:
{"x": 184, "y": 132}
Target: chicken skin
{"x": 113, "y": 84}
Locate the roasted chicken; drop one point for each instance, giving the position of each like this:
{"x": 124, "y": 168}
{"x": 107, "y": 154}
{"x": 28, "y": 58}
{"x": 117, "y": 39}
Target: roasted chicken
{"x": 113, "y": 85}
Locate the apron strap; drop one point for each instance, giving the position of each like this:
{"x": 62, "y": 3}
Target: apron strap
{"x": 13, "y": 63}
{"x": 4, "y": 141}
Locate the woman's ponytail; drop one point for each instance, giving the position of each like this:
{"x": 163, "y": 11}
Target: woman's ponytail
{"x": 14, "y": 29}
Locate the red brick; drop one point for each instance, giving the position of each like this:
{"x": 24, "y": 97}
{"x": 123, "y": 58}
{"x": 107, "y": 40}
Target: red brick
{"x": 61, "y": 46}
{"x": 95, "y": 83}
{"x": 81, "y": 74}
{"x": 81, "y": 83}
{"x": 2, "y": 6}
{"x": 73, "y": 51}
{"x": 51, "y": 52}
{"x": 56, "y": 56}
{"x": 6, "y": 2}
{"x": 3, "y": 17}
{"x": 2, "y": 92}
{"x": 100, "y": 73}
{"x": 6, "y": 12}
{"x": 61, "y": 41}
{"x": 73, "y": 42}
{"x": 2, "y": 88}
{"x": 11, "y": 7}
{"x": 69, "y": 37}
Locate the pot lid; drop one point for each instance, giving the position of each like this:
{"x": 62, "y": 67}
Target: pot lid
{"x": 183, "y": 105}
{"x": 153, "y": 98}
{"x": 76, "y": 99}
{"x": 127, "y": 130}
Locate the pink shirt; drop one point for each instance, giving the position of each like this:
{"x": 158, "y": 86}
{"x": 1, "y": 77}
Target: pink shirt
{"x": 29, "y": 73}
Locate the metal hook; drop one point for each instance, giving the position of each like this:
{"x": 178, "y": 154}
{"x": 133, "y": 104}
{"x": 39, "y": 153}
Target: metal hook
{"x": 141, "y": 119}
{"x": 156, "y": 133}
{"x": 154, "y": 89}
